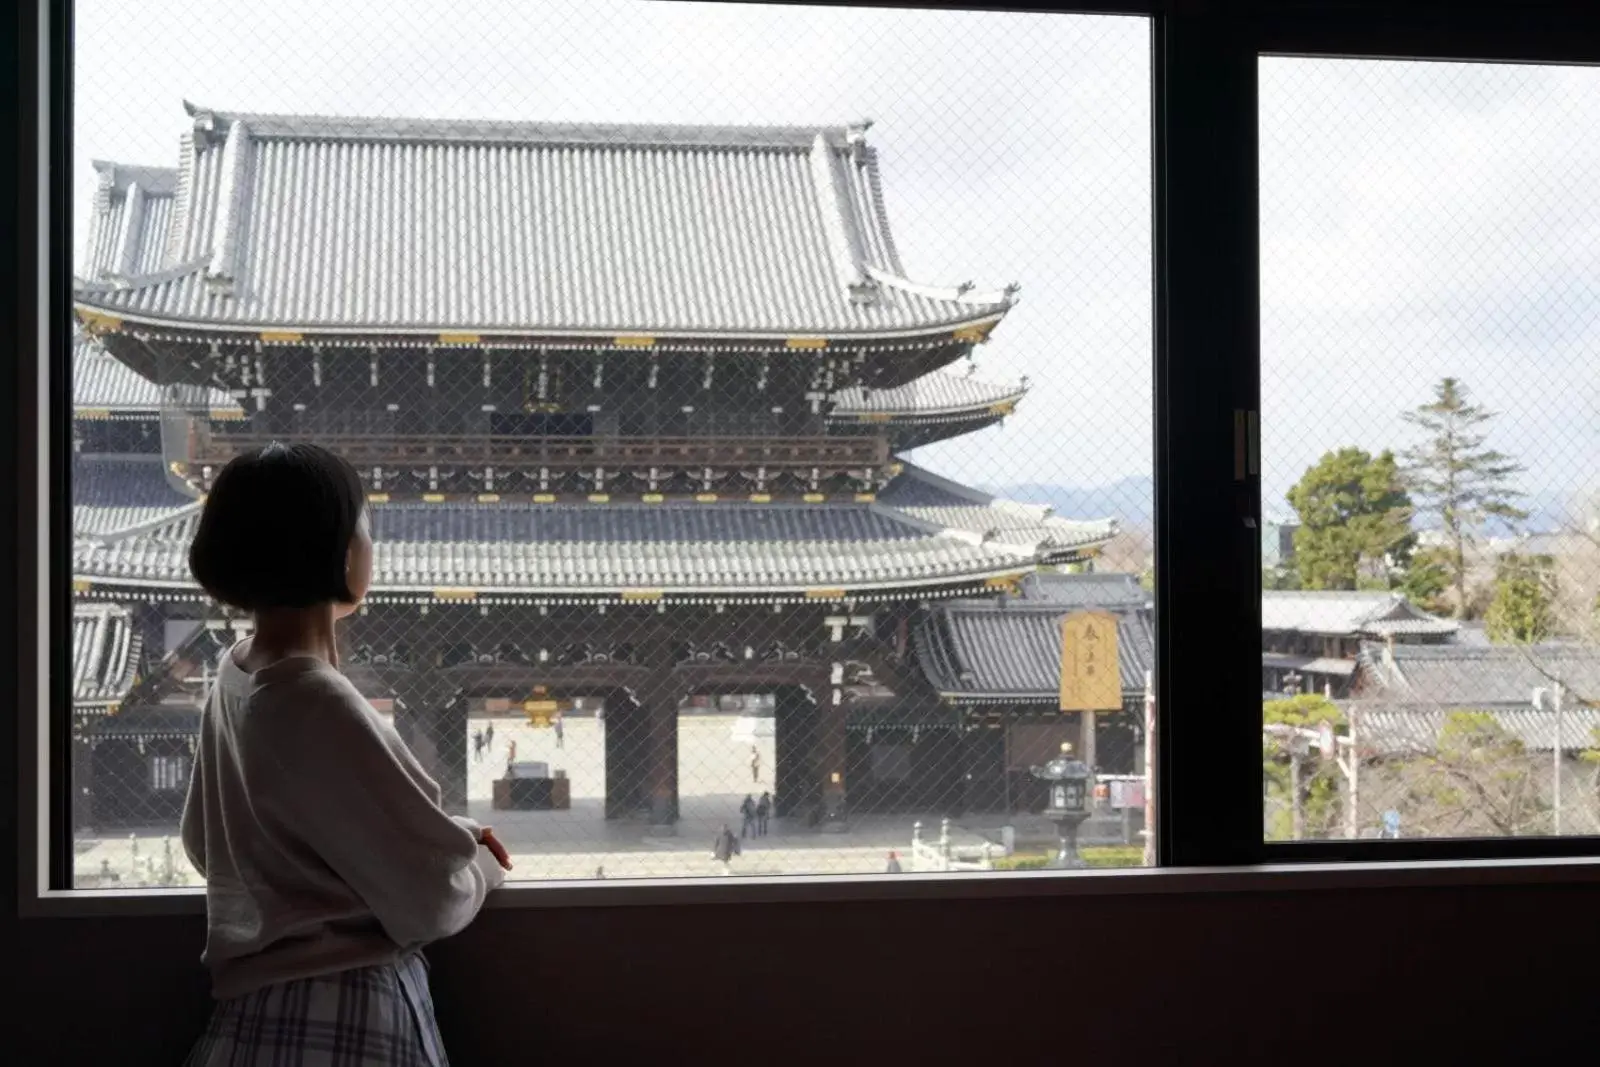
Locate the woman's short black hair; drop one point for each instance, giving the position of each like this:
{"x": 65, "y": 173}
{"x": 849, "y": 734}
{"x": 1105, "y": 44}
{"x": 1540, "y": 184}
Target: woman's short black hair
{"x": 276, "y": 528}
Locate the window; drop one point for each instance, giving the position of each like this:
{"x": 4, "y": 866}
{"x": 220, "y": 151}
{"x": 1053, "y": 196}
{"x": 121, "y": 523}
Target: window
{"x": 699, "y": 470}
{"x": 1430, "y": 441}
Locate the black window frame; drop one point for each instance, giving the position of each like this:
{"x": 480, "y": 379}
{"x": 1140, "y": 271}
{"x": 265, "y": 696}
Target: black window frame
{"x": 1205, "y": 278}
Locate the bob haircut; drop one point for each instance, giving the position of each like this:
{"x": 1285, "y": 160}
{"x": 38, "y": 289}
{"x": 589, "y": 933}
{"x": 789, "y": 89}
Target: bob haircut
{"x": 276, "y": 529}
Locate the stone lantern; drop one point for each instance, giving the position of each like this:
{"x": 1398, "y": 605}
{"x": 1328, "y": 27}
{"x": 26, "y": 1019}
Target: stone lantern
{"x": 1069, "y": 803}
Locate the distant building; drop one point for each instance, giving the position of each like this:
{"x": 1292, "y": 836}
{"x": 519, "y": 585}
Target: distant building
{"x": 996, "y": 663}
{"x": 1310, "y": 639}
{"x": 1406, "y": 692}
{"x": 1277, "y": 541}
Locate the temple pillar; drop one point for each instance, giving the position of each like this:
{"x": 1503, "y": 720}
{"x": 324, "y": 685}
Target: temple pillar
{"x": 434, "y": 727}
{"x": 794, "y": 744}
{"x": 830, "y": 753}
{"x": 624, "y": 730}
{"x": 660, "y": 711}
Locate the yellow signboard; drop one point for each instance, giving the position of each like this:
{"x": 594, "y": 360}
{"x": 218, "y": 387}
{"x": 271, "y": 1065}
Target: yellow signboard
{"x": 1091, "y": 678}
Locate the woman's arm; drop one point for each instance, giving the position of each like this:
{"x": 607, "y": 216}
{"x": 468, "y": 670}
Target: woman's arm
{"x": 337, "y": 785}
{"x": 192, "y": 828}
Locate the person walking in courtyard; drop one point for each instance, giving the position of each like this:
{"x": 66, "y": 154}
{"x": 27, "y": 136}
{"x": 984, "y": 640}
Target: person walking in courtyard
{"x": 747, "y": 813}
{"x": 477, "y": 746}
{"x": 755, "y": 764}
{"x": 488, "y": 737}
{"x": 724, "y": 848}
{"x": 561, "y": 737}
{"x": 894, "y": 863}
{"x": 763, "y": 811}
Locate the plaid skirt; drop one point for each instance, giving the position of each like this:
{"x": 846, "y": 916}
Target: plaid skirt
{"x": 366, "y": 1017}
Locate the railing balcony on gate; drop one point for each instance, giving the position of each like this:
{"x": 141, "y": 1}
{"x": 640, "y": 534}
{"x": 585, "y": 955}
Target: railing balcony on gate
{"x": 208, "y": 447}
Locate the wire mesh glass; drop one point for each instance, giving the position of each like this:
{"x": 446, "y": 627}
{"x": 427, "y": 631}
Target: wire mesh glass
{"x": 1430, "y": 446}
{"x": 744, "y": 396}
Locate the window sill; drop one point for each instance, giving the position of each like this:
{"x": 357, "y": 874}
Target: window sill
{"x": 1276, "y": 878}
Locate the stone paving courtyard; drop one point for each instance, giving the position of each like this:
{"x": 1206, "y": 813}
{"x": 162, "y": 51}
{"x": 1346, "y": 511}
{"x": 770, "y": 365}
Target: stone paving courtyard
{"x": 714, "y": 776}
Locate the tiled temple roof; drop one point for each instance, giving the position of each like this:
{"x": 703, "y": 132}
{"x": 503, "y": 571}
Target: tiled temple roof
{"x": 572, "y": 549}
{"x": 514, "y": 227}
{"x": 1008, "y": 649}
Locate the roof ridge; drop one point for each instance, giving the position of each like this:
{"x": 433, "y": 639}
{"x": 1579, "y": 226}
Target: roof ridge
{"x": 154, "y": 180}
{"x": 616, "y": 134}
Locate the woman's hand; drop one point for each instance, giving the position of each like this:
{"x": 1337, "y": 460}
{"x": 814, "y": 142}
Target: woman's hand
{"x": 496, "y": 849}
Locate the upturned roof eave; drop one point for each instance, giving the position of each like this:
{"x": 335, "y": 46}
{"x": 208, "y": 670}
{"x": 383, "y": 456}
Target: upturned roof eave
{"x": 110, "y": 315}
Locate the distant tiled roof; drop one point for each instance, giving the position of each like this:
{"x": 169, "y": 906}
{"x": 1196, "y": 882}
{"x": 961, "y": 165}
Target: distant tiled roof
{"x": 943, "y": 503}
{"x": 105, "y": 653}
{"x": 1397, "y": 729}
{"x": 932, "y": 395}
{"x": 518, "y": 227}
{"x": 1309, "y": 664}
{"x": 103, "y": 383}
{"x": 1347, "y": 614}
{"x": 1093, "y": 590}
{"x": 1010, "y": 649}
{"x": 1475, "y": 676}
{"x": 114, "y": 494}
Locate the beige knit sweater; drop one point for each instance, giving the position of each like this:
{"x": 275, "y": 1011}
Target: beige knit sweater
{"x": 319, "y": 835}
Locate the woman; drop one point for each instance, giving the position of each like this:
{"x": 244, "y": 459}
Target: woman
{"x": 327, "y": 858}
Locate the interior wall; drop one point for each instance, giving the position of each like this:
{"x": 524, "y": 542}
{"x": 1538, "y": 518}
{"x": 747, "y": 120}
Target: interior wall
{"x": 1471, "y": 975}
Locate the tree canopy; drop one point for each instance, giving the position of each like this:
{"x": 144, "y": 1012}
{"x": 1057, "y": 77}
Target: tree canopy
{"x": 1454, "y": 477}
{"x": 1355, "y": 521}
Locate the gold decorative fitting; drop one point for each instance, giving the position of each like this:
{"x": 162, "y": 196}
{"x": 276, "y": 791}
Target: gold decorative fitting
{"x": 760, "y": 498}
{"x": 808, "y": 342}
{"x": 282, "y": 335}
{"x": 433, "y": 498}
{"x": 99, "y": 321}
{"x": 488, "y": 498}
{"x": 641, "y": 595}
{"x": 874, "y": 416}
{"x": 599, "y": 498}
{"x": 705, "y": 498}
{"x": 866, "y": 498}
{"x": 377, "y": 498}
{"x": 974, "y": 333}
{"x": 93, "y": 413}
{"x": 227, "y": 414}
{"x": 652, "y": 498}
{"x": 458, "y": 338}
{"x": 455, "y": 594}
{"x": 824, "y": 594}
{"x": 814, "y": 498}
{"x": 1004, "y": 407}
{"x": 81, "y": 585}
{"x": 544, "y": 498}
{"x": 634, "y": 341}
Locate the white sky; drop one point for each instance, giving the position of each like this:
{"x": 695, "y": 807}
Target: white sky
{"x": 1417, "y": 219}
